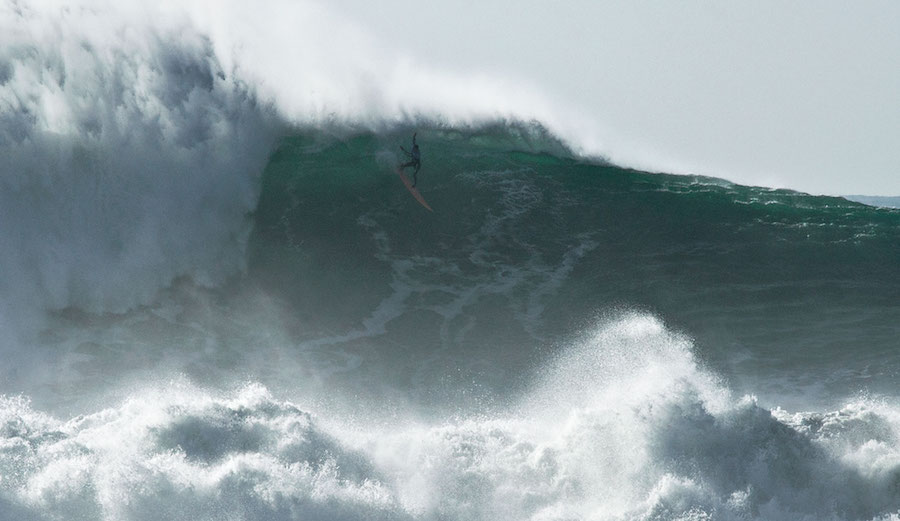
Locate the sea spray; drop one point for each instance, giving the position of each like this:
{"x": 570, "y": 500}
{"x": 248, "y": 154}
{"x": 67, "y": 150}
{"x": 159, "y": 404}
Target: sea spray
{"x": 678, "y": 447}
{"x": 131, "y": 158}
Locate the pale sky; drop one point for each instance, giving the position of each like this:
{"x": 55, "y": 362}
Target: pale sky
{"x": 804, "y": 95}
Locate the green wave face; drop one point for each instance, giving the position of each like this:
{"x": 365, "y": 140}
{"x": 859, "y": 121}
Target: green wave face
{"x": 528, "y": 245}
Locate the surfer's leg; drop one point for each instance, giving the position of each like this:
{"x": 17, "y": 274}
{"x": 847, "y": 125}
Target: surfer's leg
{"x": 416, "y": 175}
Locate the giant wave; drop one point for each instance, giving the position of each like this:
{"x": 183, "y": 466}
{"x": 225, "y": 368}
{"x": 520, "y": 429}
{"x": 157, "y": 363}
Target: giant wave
{"x": 485, "y": 361}
{"x": 218, "y": 302}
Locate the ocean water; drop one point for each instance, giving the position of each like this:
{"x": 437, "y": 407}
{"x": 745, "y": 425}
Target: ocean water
{"x": 212, "y": 308}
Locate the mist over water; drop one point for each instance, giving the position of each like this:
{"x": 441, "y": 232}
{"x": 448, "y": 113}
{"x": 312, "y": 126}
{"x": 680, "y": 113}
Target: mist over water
{"x": 218, "y": 301}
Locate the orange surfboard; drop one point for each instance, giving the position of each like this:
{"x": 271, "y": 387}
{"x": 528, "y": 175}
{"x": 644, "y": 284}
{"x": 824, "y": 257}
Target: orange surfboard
{"x": 415, "y": 193}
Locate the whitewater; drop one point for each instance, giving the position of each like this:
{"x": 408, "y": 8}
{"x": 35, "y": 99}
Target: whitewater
{"x": 218, "y": 302}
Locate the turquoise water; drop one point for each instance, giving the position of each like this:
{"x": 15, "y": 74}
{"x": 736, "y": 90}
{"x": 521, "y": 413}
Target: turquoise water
{"x": 792, "y": 296}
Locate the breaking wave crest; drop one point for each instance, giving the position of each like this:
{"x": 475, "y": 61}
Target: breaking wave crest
{"x": 134, "y": 137}
{"x": 123, "y": 146}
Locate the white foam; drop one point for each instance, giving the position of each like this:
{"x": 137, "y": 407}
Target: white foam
{"x": 647, "y": 435}
{"x": 130, "y": 158}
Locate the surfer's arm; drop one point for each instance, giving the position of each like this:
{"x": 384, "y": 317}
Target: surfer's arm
{"x": 405, "y": 152}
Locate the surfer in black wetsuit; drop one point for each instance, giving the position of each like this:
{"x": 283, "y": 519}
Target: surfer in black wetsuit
{"x": 414, "y": 160}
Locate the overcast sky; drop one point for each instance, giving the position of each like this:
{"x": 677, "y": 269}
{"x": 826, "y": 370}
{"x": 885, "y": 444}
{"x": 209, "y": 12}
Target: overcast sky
{"x": 803, "y": 95}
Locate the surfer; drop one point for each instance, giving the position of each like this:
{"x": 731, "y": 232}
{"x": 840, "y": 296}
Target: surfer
{"x": 414, "y": 160}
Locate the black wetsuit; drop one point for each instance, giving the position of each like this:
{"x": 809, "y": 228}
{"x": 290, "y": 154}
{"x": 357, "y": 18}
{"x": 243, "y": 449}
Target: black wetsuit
{"x": 415, "y": 160}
